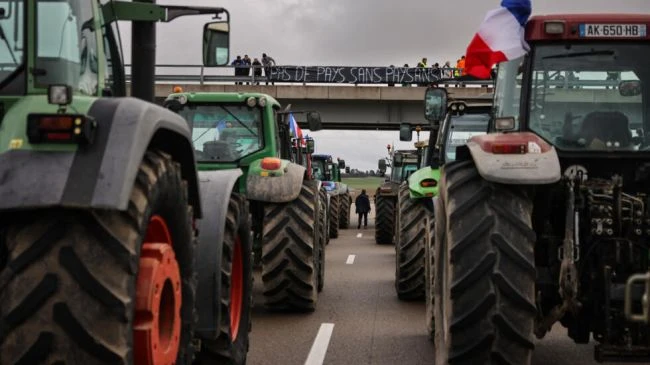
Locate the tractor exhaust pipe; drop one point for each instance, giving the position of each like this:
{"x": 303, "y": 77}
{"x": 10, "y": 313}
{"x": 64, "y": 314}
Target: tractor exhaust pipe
{"x": 143, "y": 58}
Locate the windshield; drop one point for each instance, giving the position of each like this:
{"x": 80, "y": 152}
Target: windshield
{"x": 461, "y": 129}
{"x": 11, "y": 36}
{"x": 224, "y": 133}
{"x": 66, "y": 45}
{"x": 320, "y": 169}
{"x": 400, "y": 173}
{"x": 578, "y": 100}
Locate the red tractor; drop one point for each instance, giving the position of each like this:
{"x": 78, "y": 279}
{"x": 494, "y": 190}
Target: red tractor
{"x": 545, "y": 218}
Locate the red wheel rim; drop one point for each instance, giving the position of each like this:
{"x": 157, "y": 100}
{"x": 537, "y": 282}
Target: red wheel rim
{"x": 236, "y": 289}
{"x": 157, "y": 322}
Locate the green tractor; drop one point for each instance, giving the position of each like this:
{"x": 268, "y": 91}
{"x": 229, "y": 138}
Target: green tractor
{"x": 338, "y": 193}
{"x": 246, "y": 138}
{"x": 402, "y": 164}
{"x": 415, "y": 205}
{"x": 100, "y": 197}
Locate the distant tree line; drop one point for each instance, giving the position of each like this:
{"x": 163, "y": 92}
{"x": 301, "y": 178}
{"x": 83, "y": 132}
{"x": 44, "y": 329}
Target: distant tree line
{"x": 359, "y": 173}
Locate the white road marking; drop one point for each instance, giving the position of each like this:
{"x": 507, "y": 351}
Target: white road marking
{"x": 319, "y": 347}
{"x": 359, "y": 235}
{"x": 350, "y": 260}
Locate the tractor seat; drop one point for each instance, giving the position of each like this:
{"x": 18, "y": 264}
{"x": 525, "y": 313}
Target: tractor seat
{"x": 610, "y": 126}
{"x": 218, "y": 150}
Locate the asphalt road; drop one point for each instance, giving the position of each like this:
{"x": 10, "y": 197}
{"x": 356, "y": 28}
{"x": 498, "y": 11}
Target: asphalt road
{"x": 370, "y": 325}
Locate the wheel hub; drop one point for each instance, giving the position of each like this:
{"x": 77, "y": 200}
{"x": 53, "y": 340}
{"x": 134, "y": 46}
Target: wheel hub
{"x": 157, "y": 323}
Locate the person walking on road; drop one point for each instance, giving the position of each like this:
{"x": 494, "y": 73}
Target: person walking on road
{"x": 363, "y": 208}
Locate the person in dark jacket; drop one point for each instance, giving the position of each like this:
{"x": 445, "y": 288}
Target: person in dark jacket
{"x": 363, "y": 208}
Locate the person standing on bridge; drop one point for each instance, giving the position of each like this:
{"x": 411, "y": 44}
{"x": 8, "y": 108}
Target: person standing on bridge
{"x": 363, "y": 208}
{"x": 257, "y": 70}
{"x": 267, "y": 62}
{"x": 238, "y": 63}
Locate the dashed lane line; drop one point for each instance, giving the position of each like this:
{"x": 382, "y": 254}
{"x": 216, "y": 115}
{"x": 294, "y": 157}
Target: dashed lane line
{"x": 359, "y": 235}
{"x": 319, "y": 347}
{"x": 350, "y": 260}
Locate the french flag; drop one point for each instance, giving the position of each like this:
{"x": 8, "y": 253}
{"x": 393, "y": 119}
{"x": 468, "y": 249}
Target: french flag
{"x": 295, "y": 129}
{"x": 500, "y": 38}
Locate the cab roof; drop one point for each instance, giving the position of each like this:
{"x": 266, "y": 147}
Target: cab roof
{"x": 224, "y": 97}
{"x": 535, "y": 26}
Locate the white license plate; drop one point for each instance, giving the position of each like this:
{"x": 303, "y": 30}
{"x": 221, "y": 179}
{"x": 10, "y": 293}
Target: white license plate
{"x": 613, "y": 30}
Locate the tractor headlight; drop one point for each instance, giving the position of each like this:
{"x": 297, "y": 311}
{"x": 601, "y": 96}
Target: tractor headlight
{"x": 59, "y": 94}
{"x": 261, "y": 102}
{"x": 251, "y": 102}
{"x": 182, "y": 99}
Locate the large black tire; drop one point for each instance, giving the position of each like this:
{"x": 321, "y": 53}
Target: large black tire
{"x": 429, "y": 261}
{"x": 346, "y": 201}
{"x": 290, "y": 252}
{"x": 326, "y": 222}
{"x": 324, "y": 236}
{"x": 334, "y": 215}
{"x": 68, "y": 292}
{"x": 410, "y": 241}
{"x": 485, "y": 273}
{"x": 231, "y": 348}
{"x": 384, "y": 220}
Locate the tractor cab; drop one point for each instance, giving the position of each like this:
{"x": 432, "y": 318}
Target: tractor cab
{"x": 463, "y": 121}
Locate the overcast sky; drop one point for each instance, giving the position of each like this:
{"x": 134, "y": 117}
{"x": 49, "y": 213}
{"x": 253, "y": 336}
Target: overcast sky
{"x": 351, "y": 33}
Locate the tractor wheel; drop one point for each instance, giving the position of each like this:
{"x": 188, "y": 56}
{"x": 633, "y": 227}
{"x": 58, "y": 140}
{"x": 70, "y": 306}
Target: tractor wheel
{"x": 231, "y": 345}
{"x": 326, "y": 222}
{"x": 384, "y": 220}
{"x": 103, "y": 286}
{"x": 346, "y": 201}
{"x": 290, "y": 252}
{"x": 485, "y": 272}
{"x": 411, "y": 238}
{"x": 335, "y": 201}
{"x": 324, "y": 237}
{"x": 433, "y": 219}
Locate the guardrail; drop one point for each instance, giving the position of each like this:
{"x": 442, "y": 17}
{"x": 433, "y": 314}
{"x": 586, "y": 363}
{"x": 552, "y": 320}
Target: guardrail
{"x": 169, "y": 73}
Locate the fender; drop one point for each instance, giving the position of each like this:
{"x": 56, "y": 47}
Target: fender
{"x": 102, "y": 174}
{"x": 216, "y": 188}
{"x": 277, "y": 186}
{"x": 416, "y": 190}
{"x": 535, "y": 163}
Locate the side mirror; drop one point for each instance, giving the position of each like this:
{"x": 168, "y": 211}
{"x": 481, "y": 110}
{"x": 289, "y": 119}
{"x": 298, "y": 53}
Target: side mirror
{"x": 435, "y": 104}
{"x": 314, "y": 122}
{"x": 216, "y": 43}
{"x": 629, "y": 88}
{"x": 382, "y": 165}
{"x": 310, "y": 146}
{"x": 405, "y": 133}
{"x": 341, "y": 164}
{"x": 347, "y": 169}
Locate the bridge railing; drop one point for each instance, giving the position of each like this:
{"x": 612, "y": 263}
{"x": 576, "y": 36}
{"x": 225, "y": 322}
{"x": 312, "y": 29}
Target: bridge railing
{"x": 309, "y": 75}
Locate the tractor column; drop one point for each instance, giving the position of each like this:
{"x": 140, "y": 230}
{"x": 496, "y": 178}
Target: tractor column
{"x": 143, "y": 58}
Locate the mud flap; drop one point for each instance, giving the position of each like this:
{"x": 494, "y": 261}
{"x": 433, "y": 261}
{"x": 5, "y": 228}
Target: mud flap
{"x": 215, "y": 189}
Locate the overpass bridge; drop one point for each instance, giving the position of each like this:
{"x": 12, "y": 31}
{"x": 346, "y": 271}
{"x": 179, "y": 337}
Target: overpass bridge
{"x": 365, "y": 104}
{"x": 359, "y": 97}
{"x": 344, "y": 96}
